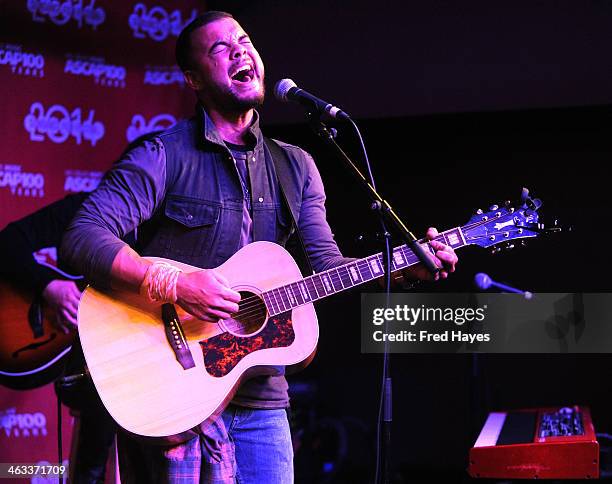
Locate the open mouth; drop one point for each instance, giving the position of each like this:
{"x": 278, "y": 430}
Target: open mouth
{"x": 244, "y": 74}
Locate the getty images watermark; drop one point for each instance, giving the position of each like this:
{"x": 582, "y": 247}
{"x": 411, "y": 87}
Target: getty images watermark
{"x": 486, "y": 323}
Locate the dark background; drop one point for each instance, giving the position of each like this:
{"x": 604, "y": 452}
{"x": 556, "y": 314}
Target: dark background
{"x": 448, "y": 166}
{"x": 460, "y": 104}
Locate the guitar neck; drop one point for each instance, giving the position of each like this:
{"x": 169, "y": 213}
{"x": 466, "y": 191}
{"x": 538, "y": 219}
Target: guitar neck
{"x": 347, "y": 276}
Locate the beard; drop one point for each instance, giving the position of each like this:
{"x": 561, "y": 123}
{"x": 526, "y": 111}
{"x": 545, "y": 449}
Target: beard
{"x": 228, "y": 100}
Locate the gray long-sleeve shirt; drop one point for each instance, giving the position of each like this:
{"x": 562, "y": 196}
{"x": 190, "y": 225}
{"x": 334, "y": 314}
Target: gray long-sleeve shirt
{"x": 138, "y": 189}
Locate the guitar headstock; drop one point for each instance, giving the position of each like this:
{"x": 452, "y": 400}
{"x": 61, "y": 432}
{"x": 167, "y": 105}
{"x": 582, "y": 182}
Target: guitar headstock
{"x": 503, "y": 225}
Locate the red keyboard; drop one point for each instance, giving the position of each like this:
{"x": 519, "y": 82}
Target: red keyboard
{"x": 541, "y": 443}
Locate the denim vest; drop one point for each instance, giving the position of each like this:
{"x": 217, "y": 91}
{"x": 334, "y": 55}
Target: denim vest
{"x": 200, "y": 219}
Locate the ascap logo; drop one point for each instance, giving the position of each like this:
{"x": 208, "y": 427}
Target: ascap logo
{"x": 81, "y": 180}
{"x": 60, "y": 13}
{"x": 58, "y": 124}
{"x": 102, "y": 73}
{"x": 157, "y": 23}
{"x": 23, "y": 424}
{"x": 140, "y": 127}
{"x": 158, "y": 76}
{"x": 24, "y": 63}
{"x": 22, "y": 184}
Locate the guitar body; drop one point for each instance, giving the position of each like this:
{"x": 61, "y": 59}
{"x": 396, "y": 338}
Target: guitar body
{"x": 136, "y": 372}
{"x": 30, "y": 355}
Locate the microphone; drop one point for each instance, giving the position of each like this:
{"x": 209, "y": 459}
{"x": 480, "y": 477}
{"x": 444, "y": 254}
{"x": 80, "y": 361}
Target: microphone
{"x": 286, "y": 90}
{"x": 484, "y": 282}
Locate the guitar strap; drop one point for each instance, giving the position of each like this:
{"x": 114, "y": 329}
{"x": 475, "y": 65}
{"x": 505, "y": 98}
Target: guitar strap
{"x": 282, "y": 165}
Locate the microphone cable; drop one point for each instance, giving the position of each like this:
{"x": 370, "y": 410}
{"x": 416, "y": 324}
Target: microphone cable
{"x": 385, "y": 403}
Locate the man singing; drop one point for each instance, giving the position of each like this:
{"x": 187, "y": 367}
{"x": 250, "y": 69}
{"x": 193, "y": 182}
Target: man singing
{"x": 197, "y": 193}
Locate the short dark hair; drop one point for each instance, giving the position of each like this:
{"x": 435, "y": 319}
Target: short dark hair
{"x": 183, "y": 43}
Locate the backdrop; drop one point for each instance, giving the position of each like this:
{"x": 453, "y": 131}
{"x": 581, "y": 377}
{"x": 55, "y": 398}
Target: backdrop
{"x": 80, "y": 80}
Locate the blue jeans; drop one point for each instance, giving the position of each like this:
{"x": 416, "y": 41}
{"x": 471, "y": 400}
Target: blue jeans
{"x": 245, "y": 446}
{"x": 263, "y": 452}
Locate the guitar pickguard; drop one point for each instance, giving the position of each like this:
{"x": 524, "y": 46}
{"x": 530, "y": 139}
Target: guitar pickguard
{"x": 223, "y": 352}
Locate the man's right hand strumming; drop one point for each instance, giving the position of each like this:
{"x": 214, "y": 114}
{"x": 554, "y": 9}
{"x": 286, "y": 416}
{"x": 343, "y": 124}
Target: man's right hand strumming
{"x": 206, "y": 295}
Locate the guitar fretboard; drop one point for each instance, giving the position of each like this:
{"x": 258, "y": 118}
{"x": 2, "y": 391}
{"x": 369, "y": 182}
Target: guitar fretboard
{"x": 347, "y": 276}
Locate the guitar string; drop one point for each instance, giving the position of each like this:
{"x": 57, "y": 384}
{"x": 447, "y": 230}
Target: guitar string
{"x": 252, "y": 301}
{"x": 360, "y": 263}
{"x": 249, "y": 309}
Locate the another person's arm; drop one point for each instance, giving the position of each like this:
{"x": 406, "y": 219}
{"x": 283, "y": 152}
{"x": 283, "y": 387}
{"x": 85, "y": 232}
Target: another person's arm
{"x": 20, "y": 239}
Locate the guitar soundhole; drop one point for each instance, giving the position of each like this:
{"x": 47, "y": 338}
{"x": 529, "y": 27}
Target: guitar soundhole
{"x": 250, "y": 318}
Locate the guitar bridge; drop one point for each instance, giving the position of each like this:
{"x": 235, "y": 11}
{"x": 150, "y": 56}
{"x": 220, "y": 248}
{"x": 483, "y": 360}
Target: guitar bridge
{"x": 176, "y": 336}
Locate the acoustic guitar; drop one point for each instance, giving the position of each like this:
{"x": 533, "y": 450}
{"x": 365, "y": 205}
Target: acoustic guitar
{"x": 160, "y": 371}
{"x": 32, "y": 349}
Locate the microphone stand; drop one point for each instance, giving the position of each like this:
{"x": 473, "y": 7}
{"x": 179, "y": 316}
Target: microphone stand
{"x": 386, "y": 214}
{"x": 378, "y": 202}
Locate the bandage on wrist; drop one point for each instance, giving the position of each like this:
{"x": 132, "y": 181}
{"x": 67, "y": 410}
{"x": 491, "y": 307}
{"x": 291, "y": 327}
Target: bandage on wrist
{"x": 159, "y": 283}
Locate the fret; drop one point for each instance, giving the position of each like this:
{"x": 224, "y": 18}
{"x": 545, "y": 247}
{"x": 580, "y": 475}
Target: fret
{"x": 354, "y": 273}
{"x": 283, "y": 298}
{"x": 381, "y": 261}
{"x": 310, "y": 287}
{"x": 336, "y": 281}
{"x": 398, "y": 258}
{"x": 279, "y": 299}
{"x": 375, "y": 266}
{"x": 454, "y": 238}
{"x": 408, "y": 255}
{"x": 295, "y": 290}
{"x": 411, "y": 257}
{"x": 316, "y": 279}
{"x": 275, "y": 306}
{"x": 304, "y": 291}
{"x": 344, "y": 276}
{"x": 286, "y": 297}
{"x": 364, "y": 270}
{"x": 292, "y": 302}
{"x": 266, "y": 298}
{"x": 327, "y": 283}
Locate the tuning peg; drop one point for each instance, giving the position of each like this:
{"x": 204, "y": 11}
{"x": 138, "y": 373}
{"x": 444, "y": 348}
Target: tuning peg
{"x": 493, "y": 207}
{"x": 557, "y": 227}
{"x": 495, "y": 250}
{"x": 523, "y": 243}
{"x": 507, "y": 203}
{"x": 509, "y": 246}
{"x": 479, "y": 212}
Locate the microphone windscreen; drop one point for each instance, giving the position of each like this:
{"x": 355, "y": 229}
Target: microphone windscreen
{"x": 282, "y": 88}
{"x": 482, "y": 281}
